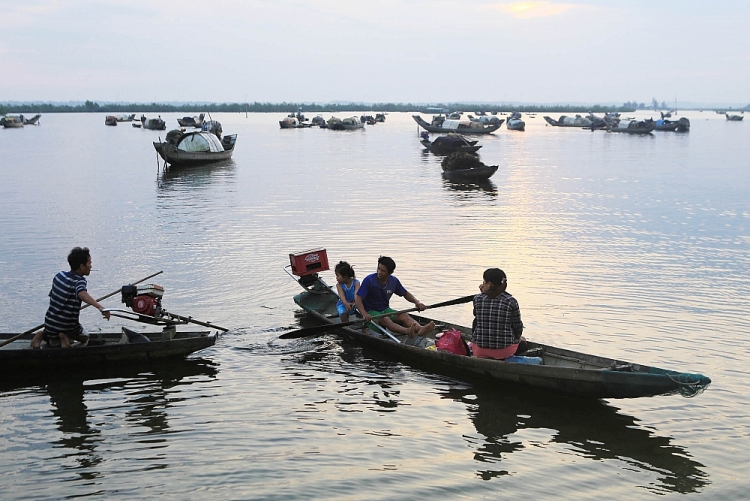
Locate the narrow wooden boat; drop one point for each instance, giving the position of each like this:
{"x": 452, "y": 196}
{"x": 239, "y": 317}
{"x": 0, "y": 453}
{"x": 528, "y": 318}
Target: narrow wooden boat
{"x": 104, "y": 350}
{"x": 33, "y": 120}
{"x": 441, "y": 124}
{"x": 351, "y": 123}
{"x": 195, "y": 148}
{"x": 566, "y": 121}
{"x": 472, "y": 174}
{"x": 153, "y": 123}
{"x": 543, "y": 367}
{"x": 734, "y": 118}
{"x": 125, "y": 118}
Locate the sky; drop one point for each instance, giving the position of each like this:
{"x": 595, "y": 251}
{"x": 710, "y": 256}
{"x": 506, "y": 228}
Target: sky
{"x": 376, "y": 51}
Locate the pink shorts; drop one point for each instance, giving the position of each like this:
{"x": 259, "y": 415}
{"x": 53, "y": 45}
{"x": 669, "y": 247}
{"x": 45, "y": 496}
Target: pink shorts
{"x": 496, "y": 353}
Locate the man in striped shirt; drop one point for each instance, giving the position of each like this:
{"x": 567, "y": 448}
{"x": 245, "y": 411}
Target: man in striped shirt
{"x": 68, "y": 290}
{"x": 497, "y": 328}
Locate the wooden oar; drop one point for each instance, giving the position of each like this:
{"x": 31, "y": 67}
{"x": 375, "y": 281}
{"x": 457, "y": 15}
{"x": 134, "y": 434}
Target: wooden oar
{"x": 30, "y": 331}
{"x": 312, "y": 331}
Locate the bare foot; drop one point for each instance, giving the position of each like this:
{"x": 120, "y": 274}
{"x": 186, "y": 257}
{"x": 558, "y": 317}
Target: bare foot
{"x": 426, "y": 329}
{"x": 413, "y": 329}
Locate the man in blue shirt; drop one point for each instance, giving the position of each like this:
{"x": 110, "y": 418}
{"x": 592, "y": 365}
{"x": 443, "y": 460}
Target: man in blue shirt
{"x": 68, "y": 290}
{"x": 374, "y": 295}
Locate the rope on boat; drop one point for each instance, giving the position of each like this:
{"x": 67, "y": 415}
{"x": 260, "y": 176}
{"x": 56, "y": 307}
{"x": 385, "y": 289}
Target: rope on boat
{"x": 688, "y": 385}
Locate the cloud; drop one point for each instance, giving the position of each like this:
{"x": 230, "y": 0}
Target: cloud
{"x": 527, "y": 10}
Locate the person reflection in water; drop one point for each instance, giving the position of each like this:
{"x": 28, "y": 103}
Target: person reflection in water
{"x": 375, "y": 293}
{"x": 497, "y": 328}
{"x": 68, "y": 290}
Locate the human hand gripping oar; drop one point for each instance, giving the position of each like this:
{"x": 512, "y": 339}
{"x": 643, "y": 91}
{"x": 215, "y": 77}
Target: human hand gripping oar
{"x": 31, "y": 331}
{"x": 312, "y": 331}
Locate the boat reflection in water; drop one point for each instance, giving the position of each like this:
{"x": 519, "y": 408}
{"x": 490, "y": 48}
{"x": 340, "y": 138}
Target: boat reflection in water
{"x": 185, "y": 178}
{"x": 466, "y": 191}
{"x": 589, "y": 429}
{"x": 143, "y": 391}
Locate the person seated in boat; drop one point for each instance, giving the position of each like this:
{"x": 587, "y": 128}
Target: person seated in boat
{"x": 347, "y": 286}
{"x": 69, "y": 288}
{"x": 374, "y": 295}
{"x": 497, "y": 328}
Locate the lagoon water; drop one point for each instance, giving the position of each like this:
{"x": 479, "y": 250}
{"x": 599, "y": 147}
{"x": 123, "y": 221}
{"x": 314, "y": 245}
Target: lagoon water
{"x": 630, "y": 247}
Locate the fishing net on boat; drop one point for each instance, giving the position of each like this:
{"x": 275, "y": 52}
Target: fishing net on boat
{"x": 688, "y": 385}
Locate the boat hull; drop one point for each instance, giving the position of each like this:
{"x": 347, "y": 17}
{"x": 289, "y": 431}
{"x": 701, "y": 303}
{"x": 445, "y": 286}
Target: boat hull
{"x": 474, "y": 174}
{"x": 562, "y": 371}
{"x": 170, "y": 154}
{"x": 17, "y": 360}
{"x": 442, "y": 150}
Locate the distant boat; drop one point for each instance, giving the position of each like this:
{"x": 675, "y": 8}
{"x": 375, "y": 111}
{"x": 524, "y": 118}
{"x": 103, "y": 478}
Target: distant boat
{"x": 196, "y": 122}
{"x": 380, "y": 117}
{"x": 515, "y": 123}
{"x": 125, "y": 118}
{"x": 292, "y": 123}
{"x": 466, "y": 167}
{"x": 451, "y": 143}
{"x": 631, "y": 126}
{"x": 33, "y": 120}
{"x": 195, "y": 148}
{"x": 351, "y": 123}
{"x": 734, "y": 118}
{"x": 441, "y": 124}
{"x": 153, "y": 123}
{"x": 12, "y": 122}
{"x": 681, "y": 125}
{"x": 110, "y": 120}
{"x": 320, "y": 122}
{"x": 566, "y": 121}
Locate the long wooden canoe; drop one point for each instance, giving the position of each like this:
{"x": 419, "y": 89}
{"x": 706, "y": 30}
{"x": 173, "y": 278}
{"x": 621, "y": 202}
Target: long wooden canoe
{"x": 460, "y": 127}
{"x": 18, "y": 360}
{"x": 561, "y": 370}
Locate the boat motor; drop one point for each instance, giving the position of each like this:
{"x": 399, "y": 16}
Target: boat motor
{"x": 143, "y": 300}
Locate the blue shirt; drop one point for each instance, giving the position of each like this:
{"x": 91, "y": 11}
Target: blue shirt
{"x": 375, "y": 296}
{"x": 64, "y": 303}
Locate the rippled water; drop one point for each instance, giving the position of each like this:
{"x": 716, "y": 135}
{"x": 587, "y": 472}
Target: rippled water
{"x": 630, "y": 247}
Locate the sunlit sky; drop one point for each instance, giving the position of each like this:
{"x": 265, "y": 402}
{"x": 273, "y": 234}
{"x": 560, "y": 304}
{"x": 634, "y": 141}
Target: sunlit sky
{"x": 601, "y": 51}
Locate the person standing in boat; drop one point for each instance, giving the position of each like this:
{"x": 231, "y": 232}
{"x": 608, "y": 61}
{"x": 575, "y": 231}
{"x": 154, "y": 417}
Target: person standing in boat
{"x": 347, "y": 286}
{"x": 496, "y": 332}
{"x": 69, "y": 288}
{"x": 374, "y": 296}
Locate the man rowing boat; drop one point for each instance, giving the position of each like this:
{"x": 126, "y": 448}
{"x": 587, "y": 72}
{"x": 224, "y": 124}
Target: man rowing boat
{"x": 375, "y": 293}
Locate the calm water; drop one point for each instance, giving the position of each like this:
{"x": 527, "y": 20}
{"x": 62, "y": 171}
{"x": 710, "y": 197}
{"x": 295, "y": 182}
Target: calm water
{"x": 628, "y": 247}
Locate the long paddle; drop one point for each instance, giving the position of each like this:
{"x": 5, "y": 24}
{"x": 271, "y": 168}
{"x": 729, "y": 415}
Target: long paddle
{"x": 312, "y": 331}
{"x": 8, "y": 341}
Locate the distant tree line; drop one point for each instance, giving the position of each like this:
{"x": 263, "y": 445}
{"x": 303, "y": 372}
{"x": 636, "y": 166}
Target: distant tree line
{"x": 256, "y": 107}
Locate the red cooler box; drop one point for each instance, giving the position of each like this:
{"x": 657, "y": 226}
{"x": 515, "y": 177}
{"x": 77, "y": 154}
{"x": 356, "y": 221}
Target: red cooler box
{"x": 309, "y": 262}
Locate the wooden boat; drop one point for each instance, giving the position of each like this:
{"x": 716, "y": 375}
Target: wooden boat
{"x": 153, "y": 123}
{"x": 451, "y": 143}
{"x": 196, "y": 122}
{"x": 125, "y": 118}
{"x": 110, "y": 120}
{"x": 293, "y": 123}
{"x": 33, "y": 120}
{"x": 380, "y": 117}
{"x": 195, "y": 148}
{"x": 351, "y": 123}
{"x": 466, "y": 167}
{"x": 543, "y": 367}
{"x": 515, "y": 123}
{"x": 566, "y": 121}
{"x": 11, "y": 122}
{"x": 631, "y": 126}
{"x": 440, "y": 124}
{"x": 681, "y": 125}
{"x": 734, "y": 118}
{"x": 320, "y": 122}
{"x": 104, "y": 350}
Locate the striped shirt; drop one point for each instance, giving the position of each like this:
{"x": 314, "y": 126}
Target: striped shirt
{"x": 64, "y": 303}
{"x": 497, "y": 322}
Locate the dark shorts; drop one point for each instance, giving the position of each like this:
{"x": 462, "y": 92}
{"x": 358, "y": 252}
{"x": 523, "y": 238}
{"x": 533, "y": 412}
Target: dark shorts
{"x": 53, "y": 338}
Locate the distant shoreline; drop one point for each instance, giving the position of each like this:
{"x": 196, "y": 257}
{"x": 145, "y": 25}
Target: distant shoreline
{"x": 256, "y": 107}
{"x": 92, "y": 107}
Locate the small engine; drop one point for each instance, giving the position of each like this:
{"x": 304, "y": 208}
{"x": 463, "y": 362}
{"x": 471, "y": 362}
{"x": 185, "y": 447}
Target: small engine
{"x": 144, "y": 300}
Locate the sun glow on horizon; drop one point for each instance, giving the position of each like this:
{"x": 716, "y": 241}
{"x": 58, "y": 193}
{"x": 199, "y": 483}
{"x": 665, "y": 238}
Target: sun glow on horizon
{"x": 526, "y": 10}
